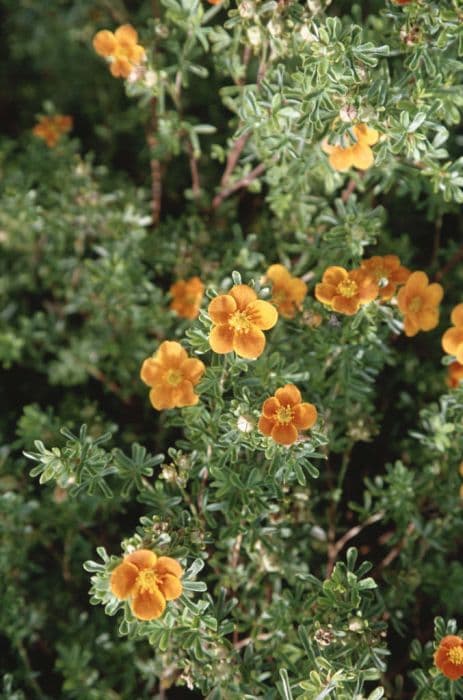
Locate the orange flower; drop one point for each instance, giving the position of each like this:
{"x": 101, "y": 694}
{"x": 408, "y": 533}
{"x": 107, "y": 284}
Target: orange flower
{"x": 449, "y": 657}
{"x": 419, "y": 302}
{"x": 452, "y": 340}
{"x": 388, "y": 273}
{"x": 148, "y": 581}
{"x": 454, "y": 375}
{"x": 288, "y": 292}
{"x": 50, "y": 129}
{"x": 171, "y": 374}
{"x": 401, "y": 2}
{"x": 120, "y": 48}
{"x": 358, "y": 154}
{"x": 345, "y": 292}
{"x": 283, "y": 415}
{"x": 239, "y": 318}
{"x": 187, "y": 296}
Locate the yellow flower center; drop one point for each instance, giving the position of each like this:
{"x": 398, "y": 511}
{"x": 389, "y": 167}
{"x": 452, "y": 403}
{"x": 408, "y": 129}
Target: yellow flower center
{"x": 147, "y": 581}
{"x": 174, "y": 377}
{"x": 347, "y": 288}
{"x": 455, "y": 655}
{"x": 415, "y": 304}
{"x": 240, "y": 322}
{"x": 284, "y": 414}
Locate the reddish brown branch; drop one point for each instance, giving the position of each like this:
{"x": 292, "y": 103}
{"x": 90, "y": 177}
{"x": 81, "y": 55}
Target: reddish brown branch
{"x": 454, "y": 260}
{"x": 336, "y": 547}
{"x": 233, "y": 157}
{"x": 155, "y": 166}
{"x": 195, "y": 181}
{"x": 239, "y": 184}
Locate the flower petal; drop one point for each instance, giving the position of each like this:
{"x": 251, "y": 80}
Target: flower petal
{"x": 142, "y": 558}
{"x": 416, "y": 283}
{"x": 243, "y": 295}
{"x": 126, "y": 34}
{"x": 262, "y": 314}
{"x": 411, "y": 327}
{"x": 325, "y": 293}
{"x": 288, "y": 395}
{"x": 428, "y": 319}
{"x": 170, "y": 586}
{"x": 193, "y": 369}
{"x": 167, "y": 565}
{"x": 334, "y": 275}
{"x": 270, "y": 407}
{"x": 265, "y": 425}
{"x": 221, "y": 339}
{"x": 346, "y": 305}
{"x": 221, "y": 308}
{"x": 104, "y": 43}
{"x": 162, "y": 397}
{"x": 457, "y": 315}
{"x": 364, "y": 134}
{"x": 305, "y": 416}
{"x": 433, "y": 294}
{"x": 148, "y": 605}
{"x": 123, "y": 579}
{"x": 278, "y": 275}
{"x": 341, "y": 159}
{"x": 284, "y": 433}
{"x": 184, "y": 395}
{"x": 249, "y": 345}
{"x": 151, "y": 371}
{"x": 362, "y": 156}
{"x": 171, "y": 354}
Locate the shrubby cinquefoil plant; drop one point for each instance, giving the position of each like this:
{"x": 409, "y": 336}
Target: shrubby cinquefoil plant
{"x": 232, "y": 349}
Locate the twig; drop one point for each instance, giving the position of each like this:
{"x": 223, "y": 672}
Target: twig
{"x": 155, "y": 166}
{"x": 350, "y": 189}
{"x": 454, "y": 260}
{"x": 336, "y": 547}
{"x": 195, "y": 181}
{"x": 260, "y": 637}
{"x": 233, "y": 157}
{"x": 108, "y": 383}
{"x": 395, "y": 551}
{"x": 243, "y": 182}
{"x": 235, "y": 552}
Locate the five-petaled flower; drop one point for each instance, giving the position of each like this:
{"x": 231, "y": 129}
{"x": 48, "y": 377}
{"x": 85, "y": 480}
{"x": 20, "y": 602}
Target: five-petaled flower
{"x": 172, "y": 376}
{"x": 148, "y": 582}
{"x": 419, "y": 303}
{"x": 448, "y": 657}
{"x": 284, "y": 414}
{"x": 452, "y": 340}
{"x": 388, "y": 273}
{"x": 357, "y": 154}
{"x": 454, "y": 375}
{"x": 50, "y": 129}
{"x": 345, "y": 292}
{"x": 120, "y": 48}
{"x": 288, "y": 292}
{"x": 186, "y": 297}
{"x": 239, "y": 318}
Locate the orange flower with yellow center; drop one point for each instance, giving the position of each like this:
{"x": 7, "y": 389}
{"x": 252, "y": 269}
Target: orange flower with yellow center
{"x": 50, "y": 129}
{"x": 345, "y": 292}
{"x": 358, "y": 154}
{"x": 120, "y": 48}
{"x": 148, "y": 582}
{"x": 186, "y": 297}
{"x": 284, "y": 414}
{"x": 288, "y": 292}
{"x": 419, "y": 303}
{"x": 172, "y": 376}
{"x": 388, "y": 273}
{"x": 449, "y": 657}
{"x": 239, "y": 318}
{"x": 454, "y": 375}
{"x": 452, "y": 340}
